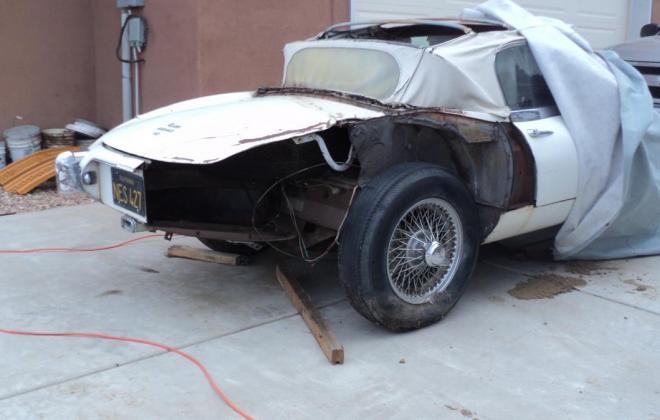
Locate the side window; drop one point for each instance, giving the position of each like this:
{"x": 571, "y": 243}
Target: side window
{"x": 521, "y": 80}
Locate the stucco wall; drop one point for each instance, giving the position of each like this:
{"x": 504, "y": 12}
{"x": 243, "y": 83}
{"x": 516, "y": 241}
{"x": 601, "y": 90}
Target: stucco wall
{"x": 201, "y": 47}
{"x": 170, "y": 71}
{"x": 241, "y": 42}
{"x": 47, "y": 67}
{"x": 59, "y": 56}
{"x": 107, "y": 69}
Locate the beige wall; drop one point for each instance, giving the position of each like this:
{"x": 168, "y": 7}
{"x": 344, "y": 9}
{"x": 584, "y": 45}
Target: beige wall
{"x": 241, "y": 42}
{"x": 47, "y": 67}
{"x": 170, "y": 70}
{"x": 201, "y": 47}
{"x": 107, "y": 69}
{"x": 656, "y": 11}
{"x": 59, "y": 59}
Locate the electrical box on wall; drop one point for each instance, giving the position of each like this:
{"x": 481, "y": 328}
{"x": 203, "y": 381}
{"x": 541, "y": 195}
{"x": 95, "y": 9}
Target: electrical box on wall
{"x": 137, "y": 32}
{"x": 128, "y": 4}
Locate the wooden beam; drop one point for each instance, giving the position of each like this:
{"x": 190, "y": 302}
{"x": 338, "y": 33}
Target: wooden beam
{"x": 182, "y": 251}
{"x": 329, "y": 344}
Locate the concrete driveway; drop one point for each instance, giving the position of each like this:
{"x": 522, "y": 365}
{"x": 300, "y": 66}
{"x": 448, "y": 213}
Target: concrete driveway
{"x": 512, "y": 348}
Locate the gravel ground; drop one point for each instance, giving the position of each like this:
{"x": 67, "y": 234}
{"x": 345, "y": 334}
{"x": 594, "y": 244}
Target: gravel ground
{"x": 42, "y": 198}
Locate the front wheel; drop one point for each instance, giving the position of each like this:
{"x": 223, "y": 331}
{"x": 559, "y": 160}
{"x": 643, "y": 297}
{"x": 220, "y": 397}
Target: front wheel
{"x": 409, "y": 246}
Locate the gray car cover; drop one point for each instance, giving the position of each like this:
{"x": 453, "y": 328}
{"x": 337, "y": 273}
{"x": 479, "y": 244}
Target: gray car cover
{"x": 609, "y": 112}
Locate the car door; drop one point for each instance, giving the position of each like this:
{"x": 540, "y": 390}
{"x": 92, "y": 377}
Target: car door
{"x": 535, "y": 115}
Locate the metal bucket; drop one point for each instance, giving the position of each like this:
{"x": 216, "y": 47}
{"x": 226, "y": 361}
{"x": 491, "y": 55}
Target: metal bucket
{"x": 58, "y": 137}
{"x": 22, "y": 141}
{"x": 86, "y": 132}
{"x": 84, "y": 143}
{"x": 86, "y": 128}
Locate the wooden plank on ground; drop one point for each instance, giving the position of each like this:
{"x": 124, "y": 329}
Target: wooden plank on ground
{"x": 22, "y": 166}
{"x": 31, "y": 179}
{"x": 191, "y": 253}
{"x": 15, "y": 183}
{"x": 326, "y": 339}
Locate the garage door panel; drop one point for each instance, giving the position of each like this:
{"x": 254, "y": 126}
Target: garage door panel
{"x": 367, "y": 9}
{"x": 601, "y": 22}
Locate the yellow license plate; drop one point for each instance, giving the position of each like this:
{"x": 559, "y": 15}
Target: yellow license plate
{"x": 128, "y": 191}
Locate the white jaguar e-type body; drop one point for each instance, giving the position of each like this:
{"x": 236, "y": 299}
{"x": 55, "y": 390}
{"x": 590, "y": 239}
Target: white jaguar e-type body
{"x": 407, "y": 144}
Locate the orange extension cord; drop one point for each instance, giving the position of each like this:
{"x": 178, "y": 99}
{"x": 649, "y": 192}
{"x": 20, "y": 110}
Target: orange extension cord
{"x": 101, "y": 248}
{"x": 181, "y": 353}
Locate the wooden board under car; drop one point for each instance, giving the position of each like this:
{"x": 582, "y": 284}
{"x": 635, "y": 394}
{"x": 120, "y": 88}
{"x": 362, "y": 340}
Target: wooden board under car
{"x": 192, "y": 253}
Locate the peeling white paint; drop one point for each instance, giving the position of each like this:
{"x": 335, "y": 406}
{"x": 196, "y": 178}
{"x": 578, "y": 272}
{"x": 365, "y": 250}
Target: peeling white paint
{"x": 213, "y": 128}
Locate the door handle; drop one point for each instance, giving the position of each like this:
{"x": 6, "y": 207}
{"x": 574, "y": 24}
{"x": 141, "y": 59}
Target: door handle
{"x": 535, "y": 132}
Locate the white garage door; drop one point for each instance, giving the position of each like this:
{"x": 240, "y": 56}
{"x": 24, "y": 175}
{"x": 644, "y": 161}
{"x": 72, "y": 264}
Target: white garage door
{"x": 602, "y": 22}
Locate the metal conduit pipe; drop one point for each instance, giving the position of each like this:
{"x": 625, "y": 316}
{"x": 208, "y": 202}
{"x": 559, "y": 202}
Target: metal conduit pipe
{"x": 136, "y": 81}
{"x": 339, "y": 167}
{"x": 126, "y": 88}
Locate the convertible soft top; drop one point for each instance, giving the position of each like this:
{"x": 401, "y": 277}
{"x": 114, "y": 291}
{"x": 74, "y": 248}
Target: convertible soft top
{"x": 458, "y": 74}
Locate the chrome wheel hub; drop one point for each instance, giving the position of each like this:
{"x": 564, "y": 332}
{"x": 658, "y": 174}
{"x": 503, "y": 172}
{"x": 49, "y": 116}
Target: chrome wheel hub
{"x": 416, "y": 246}
{"x": 424, "y": 250}
{"x": 436, "y": 255}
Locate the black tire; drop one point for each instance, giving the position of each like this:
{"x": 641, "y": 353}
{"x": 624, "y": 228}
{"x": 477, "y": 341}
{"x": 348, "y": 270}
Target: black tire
{"x": 365, "y": 245}
{"x": 231, "y": 247}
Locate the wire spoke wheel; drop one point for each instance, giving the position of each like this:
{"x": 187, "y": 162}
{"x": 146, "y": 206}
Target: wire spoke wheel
{"x": 409, "y": 246}
{"x": 424, "y": 250}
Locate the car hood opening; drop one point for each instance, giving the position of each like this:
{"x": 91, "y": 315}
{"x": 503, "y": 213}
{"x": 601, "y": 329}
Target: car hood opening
{"x": 213, "y": 128}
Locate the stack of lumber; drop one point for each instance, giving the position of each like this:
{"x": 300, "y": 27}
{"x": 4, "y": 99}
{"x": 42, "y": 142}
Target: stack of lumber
{"x": 26, "y": 174}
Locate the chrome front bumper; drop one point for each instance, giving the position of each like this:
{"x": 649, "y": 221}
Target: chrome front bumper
{"x": 68, "y": 173}
{"x": 90, "y": 172}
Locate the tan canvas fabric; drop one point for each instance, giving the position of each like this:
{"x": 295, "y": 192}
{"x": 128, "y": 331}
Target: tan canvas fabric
{"x": 459, "y": 74}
